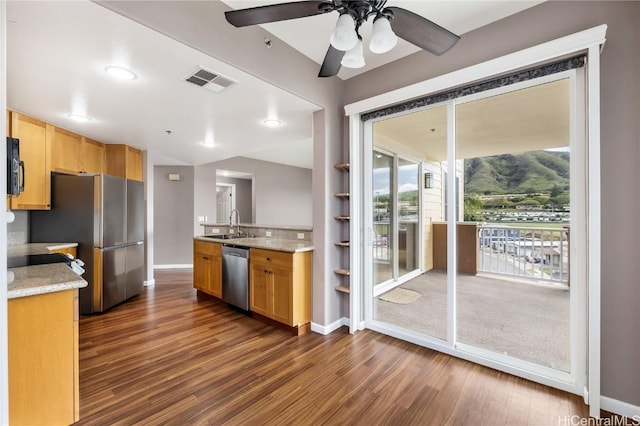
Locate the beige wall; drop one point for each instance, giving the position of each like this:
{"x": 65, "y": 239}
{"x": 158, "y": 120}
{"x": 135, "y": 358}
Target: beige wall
{"x": 620, "y": 132}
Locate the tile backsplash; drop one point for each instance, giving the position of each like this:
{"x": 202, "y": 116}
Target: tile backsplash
{"x": 284, "y": 233}
{"x": 18, "y": 231}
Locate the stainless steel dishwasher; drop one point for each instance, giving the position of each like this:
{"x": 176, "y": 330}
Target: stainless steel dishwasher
{"x": 235, "y": 276}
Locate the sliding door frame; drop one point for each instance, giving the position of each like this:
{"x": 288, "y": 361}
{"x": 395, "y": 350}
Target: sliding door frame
{"x": 590, "y": 41}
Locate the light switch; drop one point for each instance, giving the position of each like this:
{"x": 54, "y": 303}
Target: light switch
{"x": 300, "y": 236}
{"x": 268, "y": 233}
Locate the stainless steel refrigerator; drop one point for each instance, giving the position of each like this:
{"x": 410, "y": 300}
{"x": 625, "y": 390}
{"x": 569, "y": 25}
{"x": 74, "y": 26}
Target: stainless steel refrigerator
{"x": 105, "y": 216}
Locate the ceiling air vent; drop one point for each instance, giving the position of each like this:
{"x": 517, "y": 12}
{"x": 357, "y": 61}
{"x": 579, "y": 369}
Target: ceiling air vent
{"x": 209, "y": 80}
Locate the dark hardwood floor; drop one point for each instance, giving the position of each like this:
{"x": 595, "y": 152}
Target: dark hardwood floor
{"x": 170, "y": 357}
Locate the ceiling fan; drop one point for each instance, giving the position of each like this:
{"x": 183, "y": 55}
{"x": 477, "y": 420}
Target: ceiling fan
{"x": 346, "y": 43}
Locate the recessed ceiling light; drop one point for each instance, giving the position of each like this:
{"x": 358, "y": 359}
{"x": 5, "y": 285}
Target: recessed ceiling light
{"x": 121, "y": 73}
{"x": 272, "y": 122}
{"x": 79, "y": 118}
{"x": 208, "y": 144}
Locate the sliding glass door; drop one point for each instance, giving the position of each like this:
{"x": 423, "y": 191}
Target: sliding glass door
{"x": 470, "y": 242}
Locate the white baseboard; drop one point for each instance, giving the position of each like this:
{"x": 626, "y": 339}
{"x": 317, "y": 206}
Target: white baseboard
{"x": 621, "y": 408}
{"x": 326, "y": 329}
{"x": 177, "y": 266}
{"x": 149, "y": 283}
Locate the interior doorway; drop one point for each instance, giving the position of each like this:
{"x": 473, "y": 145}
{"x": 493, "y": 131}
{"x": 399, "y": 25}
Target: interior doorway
{"x": 225, "y": 201}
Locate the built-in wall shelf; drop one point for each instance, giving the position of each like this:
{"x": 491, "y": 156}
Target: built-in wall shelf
{"x": 343, "y": 289}
{"x": 343, "y": 272}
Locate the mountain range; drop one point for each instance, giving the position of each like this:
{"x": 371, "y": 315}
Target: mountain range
{"x": 526, "y": 173}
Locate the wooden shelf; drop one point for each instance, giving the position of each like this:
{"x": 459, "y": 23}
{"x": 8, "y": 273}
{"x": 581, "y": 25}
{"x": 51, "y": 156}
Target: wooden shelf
{"x": 342, "y": 166}
{"x": 343, "y": 289}
{"x": 342, "y": 243}
{"x": 339, "y": 217}
{"x": 342, "y": 194}
{"x": 341, "y": 271}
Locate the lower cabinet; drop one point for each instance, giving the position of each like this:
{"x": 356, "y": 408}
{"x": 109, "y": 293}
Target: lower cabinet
{"x": 280, "y": 286}
{"x": 43, "y": 359}
{"x": 207, "y": 267}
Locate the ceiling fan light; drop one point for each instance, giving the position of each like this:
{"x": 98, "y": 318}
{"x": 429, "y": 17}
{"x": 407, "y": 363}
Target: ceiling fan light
{"x": 354, "y": 58}
{"x": 344, "y": 37}
{"x": 383, "y": 39}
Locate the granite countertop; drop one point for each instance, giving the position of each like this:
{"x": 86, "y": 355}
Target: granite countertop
{"x": 254, "y": 225}
{"x": 41, "y": 279}
{"x": 37, "y": 248}
{"x": 277, "y": 244}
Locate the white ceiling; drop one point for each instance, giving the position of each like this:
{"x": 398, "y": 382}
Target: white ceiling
{"x": 57, "y": 52}
{"x": 310, "y": 35}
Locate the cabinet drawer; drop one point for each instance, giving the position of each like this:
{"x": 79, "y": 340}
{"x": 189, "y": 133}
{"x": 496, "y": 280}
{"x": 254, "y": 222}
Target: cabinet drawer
{"x": 270, "y": 257}
{"x": 214, "y": 249}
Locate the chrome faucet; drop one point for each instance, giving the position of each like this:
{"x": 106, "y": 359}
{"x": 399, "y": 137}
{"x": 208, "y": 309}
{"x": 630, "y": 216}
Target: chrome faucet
{"x": 237, "y": 220}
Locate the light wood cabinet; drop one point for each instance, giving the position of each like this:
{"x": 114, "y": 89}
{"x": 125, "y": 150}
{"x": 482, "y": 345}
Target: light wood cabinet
{"x": 92, "y": 156}
{"x": 124, "y": 161}
{"x": 35, "y": 151}
{"x": 207, "y": 267}
{"x": 280, "y": 286}
{"x": 65, "y": 152}
{"x": 43, "y": 359}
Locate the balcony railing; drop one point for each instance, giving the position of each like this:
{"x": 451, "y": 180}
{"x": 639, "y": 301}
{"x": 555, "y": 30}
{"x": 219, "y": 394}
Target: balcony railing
{"x": 535, "y": 253}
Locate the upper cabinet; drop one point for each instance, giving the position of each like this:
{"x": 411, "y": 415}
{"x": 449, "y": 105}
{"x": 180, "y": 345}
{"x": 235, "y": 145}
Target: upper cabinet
{"x": 93, "y": 156}
{"x": 124, "y": 161}
{"x": 35, "y": 150}
{"x": 65, "y": 153}
{"x": 45, "y": 148}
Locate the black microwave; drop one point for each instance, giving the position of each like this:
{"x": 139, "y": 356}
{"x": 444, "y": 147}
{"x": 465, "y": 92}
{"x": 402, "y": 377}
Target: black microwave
{"x": 14, "y": 184}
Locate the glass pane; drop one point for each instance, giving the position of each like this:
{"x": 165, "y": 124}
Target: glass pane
{"x": 382, "y": 217}
{"x": 419, "y": 304}
{"x": 513, "y": 284}
{"x": 408, "y": 211}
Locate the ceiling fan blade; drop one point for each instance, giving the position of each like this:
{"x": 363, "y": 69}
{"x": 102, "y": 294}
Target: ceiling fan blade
{"x": 421, "y": 31}
{"x": 332, "y": 62}
{"x": 276, "y": 12}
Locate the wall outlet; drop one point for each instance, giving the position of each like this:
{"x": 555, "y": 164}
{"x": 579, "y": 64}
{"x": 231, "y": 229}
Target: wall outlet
{"x": 300, "y": 236}
{"x": 200, "y": 219}
{"x": 215, "y": 231}
{"x": 268, "y": 233}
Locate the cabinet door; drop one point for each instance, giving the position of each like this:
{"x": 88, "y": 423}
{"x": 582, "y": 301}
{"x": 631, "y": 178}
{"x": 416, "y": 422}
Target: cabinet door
{"x": 215, "y": 282}
{"x": 282, "y": 310}
{"x": 35, "y": 151}
{"x": 259, "y": 291}
{"x": 92, "y": 156}
{"x": 133, "y": 162}
{"x": 202, "y": 271}
{"x": 41, "y": 357}
{"x": 65, "y": 152}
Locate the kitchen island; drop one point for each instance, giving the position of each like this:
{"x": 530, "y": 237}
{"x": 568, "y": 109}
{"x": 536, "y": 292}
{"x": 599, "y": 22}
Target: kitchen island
{"x": 43, "y": 339}
{"x": 279, "y": 272}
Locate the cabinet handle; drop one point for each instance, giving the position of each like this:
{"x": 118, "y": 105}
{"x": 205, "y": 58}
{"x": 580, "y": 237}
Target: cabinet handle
{"x": 266, "y": 272}
{"x": 205, "y": 257}
{"x": 268, "y": 259}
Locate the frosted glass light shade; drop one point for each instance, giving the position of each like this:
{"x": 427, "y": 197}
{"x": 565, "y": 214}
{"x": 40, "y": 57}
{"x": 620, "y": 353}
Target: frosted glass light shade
{"x": 344, "y": 37}
{"x": 354, "y": 57}
{"x": 383, "y": 39}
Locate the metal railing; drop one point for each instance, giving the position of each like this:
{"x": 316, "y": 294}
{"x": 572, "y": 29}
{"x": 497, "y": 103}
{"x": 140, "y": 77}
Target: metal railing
{"x": 536, "y": 253}
{"x": 382, "y": 242}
